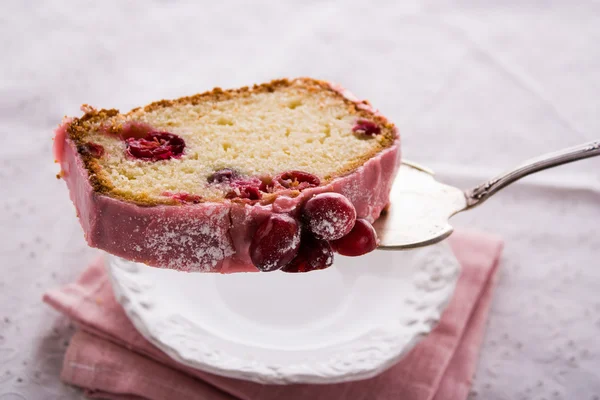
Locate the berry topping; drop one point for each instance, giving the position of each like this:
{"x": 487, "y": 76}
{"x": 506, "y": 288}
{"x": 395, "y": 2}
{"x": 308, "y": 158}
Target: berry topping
{"x": 244, "y": 192}
{"x": 275, "y": 242}
{"x": 155, "y": 146}
{"x": 240, "y": 187}
{"x": 366, "y": 127}
{"x": 245, "y": 188}
{"x": 313, "y": 254}
{"x": 184, "y": 197}
{"x": 266, "y": 184}
{"x": 298, "y": 180}
{"x": 329, "y": 216}
{"x": 362, "y": 239}
{"x": 223, "y": 175}
{"x": 91, "y": 149}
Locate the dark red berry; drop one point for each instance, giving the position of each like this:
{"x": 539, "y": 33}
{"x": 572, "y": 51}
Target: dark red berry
{"x": 297, "y": 180}
{"x": 240, "y": 187}
{"x": 223, "y": 175}
{"x": 314, "y": 254}
{"x": 362, "y": 239}
{"x": 91, "y": 149}
{"x": 329, "y": 216}
{"x": 155, "y": 146}
{"x": 245, "y": 188}
{"x": 366, "y": 127}
{"x": 183, "y": 197}
{"x": 244, "y": 192}
{"x": 275, "y": 243}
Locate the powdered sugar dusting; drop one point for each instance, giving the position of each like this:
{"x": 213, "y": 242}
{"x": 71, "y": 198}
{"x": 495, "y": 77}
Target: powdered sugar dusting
{"x": 192, "y": 244}
{"x": 330, "y": 223}
{"x": 329, "y": 215}
{"x": 275, "y": 243}
{"x": 353, "y": 191}
{"x": 292, "y": 244}
{"x": 284, "y": 247}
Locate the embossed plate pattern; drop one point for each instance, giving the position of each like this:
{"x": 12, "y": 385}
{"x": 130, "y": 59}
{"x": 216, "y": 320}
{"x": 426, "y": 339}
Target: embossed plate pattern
{"x": 349, "y": 322}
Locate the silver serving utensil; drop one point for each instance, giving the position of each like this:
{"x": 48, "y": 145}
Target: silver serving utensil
{"x": 420, "y": 207}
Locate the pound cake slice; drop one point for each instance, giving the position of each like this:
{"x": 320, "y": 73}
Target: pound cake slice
{"x": 276, "y": 176}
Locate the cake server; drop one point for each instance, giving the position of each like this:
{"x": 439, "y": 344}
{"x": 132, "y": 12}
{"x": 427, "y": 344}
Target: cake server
{"x": 420, "y": 206}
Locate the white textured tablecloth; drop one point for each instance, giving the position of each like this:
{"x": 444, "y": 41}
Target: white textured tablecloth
{"x": 474, "y": 87}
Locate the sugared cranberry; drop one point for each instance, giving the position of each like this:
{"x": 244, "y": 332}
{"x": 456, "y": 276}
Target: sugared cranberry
{"x": 329, "y": 216}
{"x": 275, "y": 243}
{"x": 91, "y": 149}
{"x": 362, "y": 239}
{"x": 183, "y": 197}
{"x": 245, "y": 188}
{"x": 366, "y": 127}
{"x": 155, "y": 146}
{"x": 314, "y": 254}
{"x": 223, "y": 175}
{"x": 298, "y": 180}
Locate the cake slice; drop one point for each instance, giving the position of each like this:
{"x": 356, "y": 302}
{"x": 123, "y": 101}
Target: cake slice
{"x": 269, "y": 177}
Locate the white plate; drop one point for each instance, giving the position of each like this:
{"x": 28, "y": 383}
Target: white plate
{"x": 348, "y": 322}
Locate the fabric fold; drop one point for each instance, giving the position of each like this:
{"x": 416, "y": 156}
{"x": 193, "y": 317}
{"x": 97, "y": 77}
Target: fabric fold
{"x": 109, "y": 359}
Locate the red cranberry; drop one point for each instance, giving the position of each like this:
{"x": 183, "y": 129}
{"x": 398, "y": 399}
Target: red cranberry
{"x": 362, "y": 239}
{"x": 91, "y": 149}
{"x": 329, "y": 216}
{"x": 298, "y": 180}
{"x": 275, "y": 243}
{"x": 183, "y": 197}
{"x": 366, "y": 127}
{"x": 241, "y": 187}
{"x": 244, "y": 192}
{"x": 314, "y": 254}
{"x": 223, "y": 175}
{"x": 155, "y": 146}
{"x": 246, "y": 188}
{"x": 266, "y": 184}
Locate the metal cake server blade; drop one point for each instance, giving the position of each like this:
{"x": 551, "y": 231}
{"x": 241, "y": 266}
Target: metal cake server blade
{"x": 421, "y": 207}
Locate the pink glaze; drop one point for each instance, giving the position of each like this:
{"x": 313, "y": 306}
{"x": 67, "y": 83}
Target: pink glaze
{"x": 206, "y": 237}
{"x": 60, "y": 138}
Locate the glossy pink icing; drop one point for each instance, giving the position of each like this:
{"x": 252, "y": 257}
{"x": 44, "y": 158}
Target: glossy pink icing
{"x": 207, "y": 237}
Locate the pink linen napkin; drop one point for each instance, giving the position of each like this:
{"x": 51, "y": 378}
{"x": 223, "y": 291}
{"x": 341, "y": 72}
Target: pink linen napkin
{"x": 110, "y": 359}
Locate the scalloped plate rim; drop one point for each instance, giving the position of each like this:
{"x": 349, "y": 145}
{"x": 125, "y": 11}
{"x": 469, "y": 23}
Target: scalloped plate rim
{"x": 276, "y": 375}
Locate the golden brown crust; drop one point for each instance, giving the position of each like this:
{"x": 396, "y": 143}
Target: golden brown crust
{"x": 79, "y": 127}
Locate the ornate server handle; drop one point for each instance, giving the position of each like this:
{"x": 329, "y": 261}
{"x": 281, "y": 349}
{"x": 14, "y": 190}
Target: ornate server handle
{"x": 482, "y": 192}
